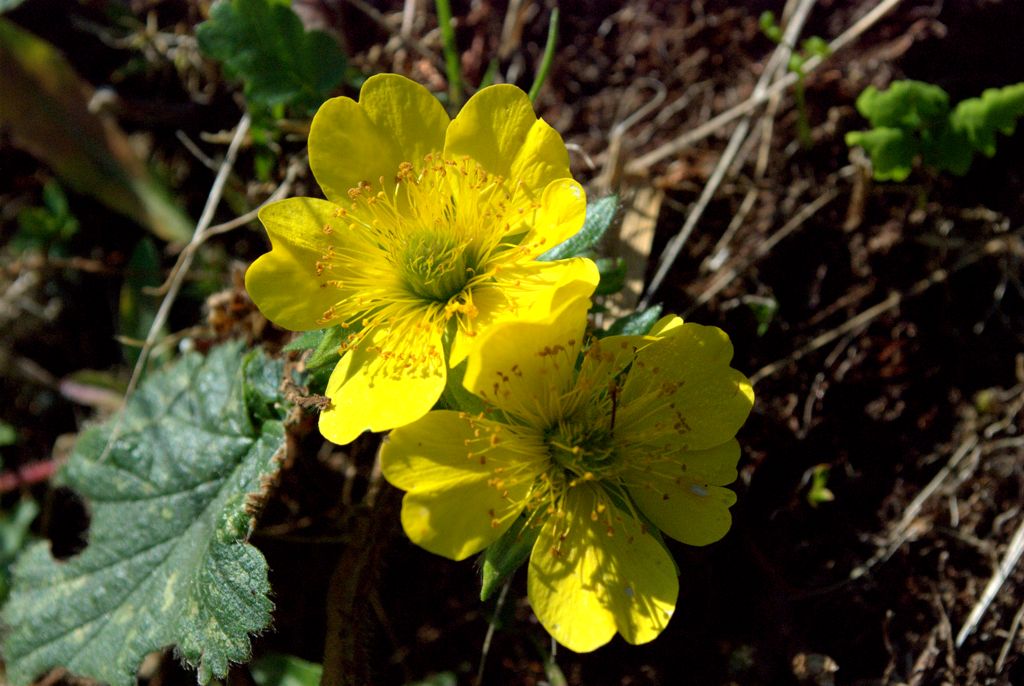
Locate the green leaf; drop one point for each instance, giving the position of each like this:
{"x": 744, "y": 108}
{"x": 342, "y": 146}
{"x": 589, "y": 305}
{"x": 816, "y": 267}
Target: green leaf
{"x": 8, "y": 5}
{"x": 264, "y": 43}
{"x": 275, "y": 669}
{"x": 326, "y": 345}
{"x": 612, "y": 271}
{"x": 951, "y": 151}
{"x": 996, "y": 111}
{"x": 439, "y": 679}
{"x": 815, "y": 46}
{"x": 600, "y": 214}
{"x": 909, "y": 105}
{"x": 167, "y": 561}
{"x": 456, "y": 396}
{"x": 47, "y": 228}
{"x": 14, "y": 534}
{"x": 636, "y": 324}
{"x": 503, "y": 557}
{"x": 818, "y": 492}
{"x": 8, "y": 434}
{"x": 763, "y": 309}
{"x": 892, "y": 151}
{"x": 137, "y": 308}
{"x": 770, "y": 27}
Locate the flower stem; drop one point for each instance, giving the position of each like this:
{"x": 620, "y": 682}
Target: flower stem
{"x": 549, "y": 55}
{"x": 451, "y": 53}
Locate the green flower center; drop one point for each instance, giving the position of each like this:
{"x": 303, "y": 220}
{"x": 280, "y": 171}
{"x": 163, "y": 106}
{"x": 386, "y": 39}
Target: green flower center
{"x": 435, "y": 266}
{"x": 582, "y": 450}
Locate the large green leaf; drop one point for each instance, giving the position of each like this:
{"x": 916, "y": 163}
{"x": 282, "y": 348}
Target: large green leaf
{"x": 264, "y": 43}
{"x": 167, "y": 561}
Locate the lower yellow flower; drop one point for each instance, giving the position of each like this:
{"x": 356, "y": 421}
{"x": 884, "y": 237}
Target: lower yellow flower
{"x": 429, "y": 234}
{"x": 637, "y": 437}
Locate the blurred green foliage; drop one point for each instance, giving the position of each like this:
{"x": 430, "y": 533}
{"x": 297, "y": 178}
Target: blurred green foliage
{"x": 815, "y": 46}
{"x": 913, "y": 120}
{"x": 46, "y": 229}
{"x": 45, "y": 110}
{"x": 275, "y": 669}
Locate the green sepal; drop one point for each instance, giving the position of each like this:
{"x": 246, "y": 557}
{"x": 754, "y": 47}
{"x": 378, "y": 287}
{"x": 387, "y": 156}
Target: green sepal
{"x": 503, "y": 557}
{"x": 326, "y": 345}
{"x": 600, "y": 214}
{"x": 636, "y": 324}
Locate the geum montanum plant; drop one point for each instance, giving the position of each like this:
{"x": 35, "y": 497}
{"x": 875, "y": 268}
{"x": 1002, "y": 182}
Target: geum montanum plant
{"x": 428, "y": 237}
{"x": 425, "y": 253}
{"x": 596, "y": 455}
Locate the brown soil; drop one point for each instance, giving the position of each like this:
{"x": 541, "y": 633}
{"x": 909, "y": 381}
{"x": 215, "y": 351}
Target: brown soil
{"x": 915, "y": 408}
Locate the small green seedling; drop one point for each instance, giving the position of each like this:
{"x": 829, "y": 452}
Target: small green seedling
{"x": 815, "y": 46}
{"x": 819, "y": 492}
{"x": 912, "y": 120}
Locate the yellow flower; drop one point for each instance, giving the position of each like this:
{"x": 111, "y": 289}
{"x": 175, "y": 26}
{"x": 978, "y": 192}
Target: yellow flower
{"x": 597, "y": 456}
{"x": 428, "y": 236}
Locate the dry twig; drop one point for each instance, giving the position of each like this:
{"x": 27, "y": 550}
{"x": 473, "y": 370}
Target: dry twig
{"x": 181, "y": 269}
{"x": 776, "y": 63}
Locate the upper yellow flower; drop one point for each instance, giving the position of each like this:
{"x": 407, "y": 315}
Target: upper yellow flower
{"x": 638, "y": 436}
{"x": 429, "y": 234}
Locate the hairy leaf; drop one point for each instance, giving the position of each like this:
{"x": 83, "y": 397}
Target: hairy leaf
{"x": 600, "y": 214}
{"x": 636, "y": 324}
{"x": 167, "y": 562}
{"x": 264, "y": 43}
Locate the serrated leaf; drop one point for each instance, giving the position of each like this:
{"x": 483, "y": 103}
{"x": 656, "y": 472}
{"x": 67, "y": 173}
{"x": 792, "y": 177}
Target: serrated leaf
{"x": 996, "y": 111}
{"x": 892, "y": 151}
{"x": 636, "y": 324}
{"x": 503, "y": 557}
{"x": 600, "y": 214}
{"x": 264, "y": 43}
{"x": 909, "y": 105}
{"x": 167, "y": 562}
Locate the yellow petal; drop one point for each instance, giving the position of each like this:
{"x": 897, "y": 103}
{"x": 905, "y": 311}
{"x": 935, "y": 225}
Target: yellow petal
{"x": 665, "y": 324}
{"x": 590, "y": 577}
{"x": 372, "y": 392}
{"x": 698, "y": 396}
{"x": 284, "y": 283}
{"x": 498, "y": 128}
{"x": 563, "y": 208}
{"x": 396, "y": 120}
{"x": 445, "y": 447}
{"x": 463, "y": 492}
{"x": 683, "y": 496}
{"x": 521, "y": 366}
{"x": 528, "y": 292}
